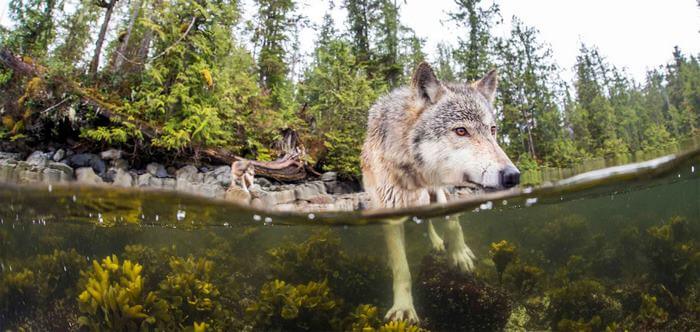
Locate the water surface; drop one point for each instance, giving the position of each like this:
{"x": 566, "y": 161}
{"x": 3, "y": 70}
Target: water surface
{"x": 616, "y": 249}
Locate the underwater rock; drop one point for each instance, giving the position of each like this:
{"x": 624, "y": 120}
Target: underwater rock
{"x": 86, "y": 175}
{"x": 450, "y": 300}
{"x": 111, "y": 154}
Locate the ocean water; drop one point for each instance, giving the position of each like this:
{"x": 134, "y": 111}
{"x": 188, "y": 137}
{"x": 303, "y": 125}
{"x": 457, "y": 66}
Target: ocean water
{"x": 610, "y": 250}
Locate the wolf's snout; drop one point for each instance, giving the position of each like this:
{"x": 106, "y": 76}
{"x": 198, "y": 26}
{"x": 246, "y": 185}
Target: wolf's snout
{"x": 509, "y": 177}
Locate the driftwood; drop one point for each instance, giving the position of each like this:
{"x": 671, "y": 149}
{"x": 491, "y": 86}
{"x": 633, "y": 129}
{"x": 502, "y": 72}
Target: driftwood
{"x": 291, "y": 167}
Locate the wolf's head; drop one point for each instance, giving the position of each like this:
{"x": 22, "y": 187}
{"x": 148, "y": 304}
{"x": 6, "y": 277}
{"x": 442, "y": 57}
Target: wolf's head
{"x": 454, "y": 137}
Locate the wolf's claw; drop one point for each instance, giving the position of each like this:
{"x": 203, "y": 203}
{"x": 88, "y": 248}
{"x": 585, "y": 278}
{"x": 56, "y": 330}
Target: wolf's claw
{"x": 402, "y": 312}
{"x": 462, "y": 258}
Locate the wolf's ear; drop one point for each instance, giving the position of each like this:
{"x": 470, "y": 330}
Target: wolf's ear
{"x": 487, "y": 85}
{"x": 426, "y": 85}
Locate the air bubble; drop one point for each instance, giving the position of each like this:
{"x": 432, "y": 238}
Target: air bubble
{"x": 486, "y": 206}
{"x": 226, "y": 224}
{"x": 692, "y": 169}
{"x": 527, "y": 190}
{"x": 74, "y": 198}
{"x": 256, "y": 217}
{"x": 50, "y": 188}
{"x": 268, "y": 220}
{"x": 417, "y": 220}
{"x": 530, "y": 201}
{"x": 312, "y": 216}
{"x": 180, "y": 215}
{"x": 157, "y": 217}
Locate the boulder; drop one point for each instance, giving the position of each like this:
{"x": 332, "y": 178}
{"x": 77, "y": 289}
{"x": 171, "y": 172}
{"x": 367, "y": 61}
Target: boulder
{"x": 329, "y": 176}
{"x": 86, "y": 175}
{"x": 120, "y": 164}
{"x": 59, "y": 155}
{"x": 111, "y": 154}
{"x": 308, "y": 190}
{"x": 38, "y": 158}
{"x": 9, "y": 156}
{"x": 263, "y": 182}
{"x": 340, "y": 188}
{"x": 157, "y": 170}
{"x": 273, "y": 198}
{"x": 122, "y": 178}
{"x": 237, "y": 195}
{"x": 87, "y": 160}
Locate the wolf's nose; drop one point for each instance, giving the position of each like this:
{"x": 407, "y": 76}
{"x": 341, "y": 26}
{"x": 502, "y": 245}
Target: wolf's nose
{"x": 509, "y": 177}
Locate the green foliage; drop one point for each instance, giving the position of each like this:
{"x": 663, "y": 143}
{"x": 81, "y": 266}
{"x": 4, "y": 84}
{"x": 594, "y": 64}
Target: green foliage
{"x": 340, "y": 95}
{"x": 309, "y": 306}
{"x": 657, "y": 138}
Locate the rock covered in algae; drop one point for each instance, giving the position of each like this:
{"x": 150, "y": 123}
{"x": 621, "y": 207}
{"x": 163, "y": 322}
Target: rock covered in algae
{"x": 450, "y": 300}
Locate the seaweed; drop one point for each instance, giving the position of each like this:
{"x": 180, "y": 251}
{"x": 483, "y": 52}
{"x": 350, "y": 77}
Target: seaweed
{"x": 113, "y": 298}
{"x": 190, "y": 295}
{"x": 502, "y": 253}
{"x": 451, "y": 300}
{"x": 673, "y": 254}
{"x": 321, "y": 257}
{"x": 288, "y": 307}
{"x": 583, "y": 305}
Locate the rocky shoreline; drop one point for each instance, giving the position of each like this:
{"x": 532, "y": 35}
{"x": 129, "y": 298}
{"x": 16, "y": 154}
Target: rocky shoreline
{"x": 109, "y": 168}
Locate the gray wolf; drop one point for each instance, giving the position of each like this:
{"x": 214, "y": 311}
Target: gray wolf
{"x": 244, "y": 172}
{"x": 421, "y": 139}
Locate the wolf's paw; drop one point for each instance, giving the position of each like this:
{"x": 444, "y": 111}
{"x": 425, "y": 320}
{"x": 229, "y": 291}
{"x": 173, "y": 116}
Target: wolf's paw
{"x": 402, "y": 312}
{"x": 462, "y": 258}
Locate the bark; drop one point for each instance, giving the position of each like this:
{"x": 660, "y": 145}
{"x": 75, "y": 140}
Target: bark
{"x": 95, "y": 63}
{"x": 121, "y": 50}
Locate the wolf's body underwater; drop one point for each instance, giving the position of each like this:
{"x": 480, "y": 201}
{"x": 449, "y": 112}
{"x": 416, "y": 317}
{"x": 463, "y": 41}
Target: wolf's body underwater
{"x": 421, "y": 139}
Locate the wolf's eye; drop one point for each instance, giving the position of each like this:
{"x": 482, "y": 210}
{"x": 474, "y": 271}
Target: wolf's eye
{"x": 461, "y": 131}
{"x": 493, "y": 130}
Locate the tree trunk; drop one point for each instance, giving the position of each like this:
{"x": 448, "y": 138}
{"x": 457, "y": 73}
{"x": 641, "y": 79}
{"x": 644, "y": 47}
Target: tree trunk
{"x": 95, "y": 63}
{"x": 121, "y": 50}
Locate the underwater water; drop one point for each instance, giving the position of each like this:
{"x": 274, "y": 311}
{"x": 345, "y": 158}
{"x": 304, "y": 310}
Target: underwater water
{"x": 616, "y": 249}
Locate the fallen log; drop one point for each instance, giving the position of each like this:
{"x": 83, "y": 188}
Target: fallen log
{"x": 289, "y": 168}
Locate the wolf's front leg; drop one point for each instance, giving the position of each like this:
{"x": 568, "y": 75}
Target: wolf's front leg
{"x": 458, "y": 253}
{"x": 403, "y": 300}
{"x": 435, "y": 240}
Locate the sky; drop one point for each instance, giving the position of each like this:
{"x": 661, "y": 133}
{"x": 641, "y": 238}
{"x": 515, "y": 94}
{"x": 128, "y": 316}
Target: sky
{"x": 637, "y": 35}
